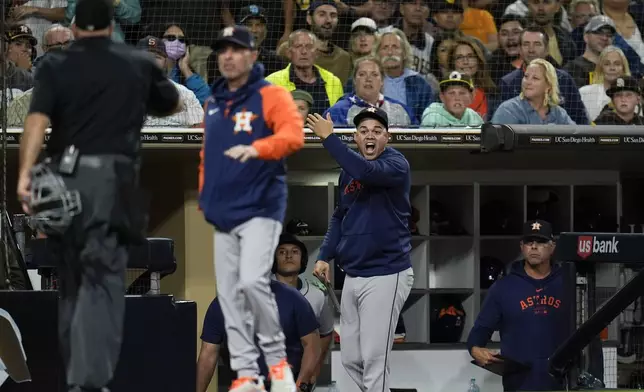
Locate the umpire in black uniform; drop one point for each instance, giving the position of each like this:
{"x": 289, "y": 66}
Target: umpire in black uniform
{"x": 96, "y": 95}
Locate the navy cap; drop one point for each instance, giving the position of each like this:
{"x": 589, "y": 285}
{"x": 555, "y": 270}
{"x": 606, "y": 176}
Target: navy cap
{"x": 92, "y": 15}
{"x": 319, "y": 3}
{"x": 537, "y": 229}
{"x": 152, "y": 44}
{"x": 374, "y": 113}
{"x": 252, "y": 11}
{"x": 237, "y": 35}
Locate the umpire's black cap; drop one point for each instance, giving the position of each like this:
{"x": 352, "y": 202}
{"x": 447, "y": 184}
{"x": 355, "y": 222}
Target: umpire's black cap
{"x": 623, "y": 83}
{"x": 537, "y": 230}
{"x": 94, "y": 15}
{"x": 237, "y": 35}
{"x": 374, "y": 113}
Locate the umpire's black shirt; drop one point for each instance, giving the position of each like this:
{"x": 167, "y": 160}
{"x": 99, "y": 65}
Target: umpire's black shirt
{"x": 97, "y": 94}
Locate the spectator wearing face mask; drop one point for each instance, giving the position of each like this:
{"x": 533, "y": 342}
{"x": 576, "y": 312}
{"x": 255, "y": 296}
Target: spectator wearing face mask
{"x": 612, "y": 64}
{"x": 624, "y": 93}
{"x": 192, "y": 113}
{"x": 453, "y": 110}
{"x": 507, "y": 57}
{"x": 178, "y": 64}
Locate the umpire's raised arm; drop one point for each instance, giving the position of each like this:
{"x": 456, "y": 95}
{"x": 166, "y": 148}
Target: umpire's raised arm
{"x": 163, "y": 98}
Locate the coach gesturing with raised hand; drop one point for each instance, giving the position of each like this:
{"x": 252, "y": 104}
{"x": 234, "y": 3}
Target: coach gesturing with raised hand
{"x": 370, "y": 239}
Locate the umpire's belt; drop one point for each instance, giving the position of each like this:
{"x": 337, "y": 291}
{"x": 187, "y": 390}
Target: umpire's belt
{"x": 98, "y": 161}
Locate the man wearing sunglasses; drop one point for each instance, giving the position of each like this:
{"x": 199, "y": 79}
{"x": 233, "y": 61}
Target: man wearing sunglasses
{"x": 530, "y": 309}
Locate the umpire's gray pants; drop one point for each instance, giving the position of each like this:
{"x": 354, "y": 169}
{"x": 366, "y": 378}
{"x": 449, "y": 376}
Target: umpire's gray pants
{"x": 369, "y": 312}
{"x": 243, "y": 261}
{"x": 92, "y": 259}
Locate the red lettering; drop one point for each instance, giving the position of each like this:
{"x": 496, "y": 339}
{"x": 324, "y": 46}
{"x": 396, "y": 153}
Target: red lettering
{"x": 530, "y": 301}
{"x": 524, "y": 306}
{"x": 551, "y": 301}
{"x": 557, "y": 304}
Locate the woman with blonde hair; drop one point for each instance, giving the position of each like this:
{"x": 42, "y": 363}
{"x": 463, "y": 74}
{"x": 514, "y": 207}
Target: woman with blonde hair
{"x": 538, "y": 102}
{"x": 611, "y": 65}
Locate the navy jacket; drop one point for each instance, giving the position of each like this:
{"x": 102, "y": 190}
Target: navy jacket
{"x": 531, "y": 316}
{"x": 510, "y": 87}
{"x": 369, "y": 232}
{"x": 258, "y": 114}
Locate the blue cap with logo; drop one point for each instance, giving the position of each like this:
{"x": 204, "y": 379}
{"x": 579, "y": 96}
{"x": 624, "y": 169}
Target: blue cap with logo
{"x": 373, "y": 113}
{"x": 236, "y": 35}
{"x": 252, "y": 11}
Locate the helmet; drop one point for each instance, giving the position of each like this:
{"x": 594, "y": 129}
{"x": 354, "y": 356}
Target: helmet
{"x": 53, "y": 206}
{"x": 297, "y": 227}
{"x": 447, "y": 320}
{"x": 287, "y": 238}
{"x": 492, "y": 269}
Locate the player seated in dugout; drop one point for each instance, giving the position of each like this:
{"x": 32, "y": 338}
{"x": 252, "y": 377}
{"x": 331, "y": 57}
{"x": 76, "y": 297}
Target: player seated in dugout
{"x": 625, "y": 95}
{"x": 455, "y": 95}
{"x": 531, "y": 310}
{"x": 369, "y": 81}
{"x": 300, "y": 328}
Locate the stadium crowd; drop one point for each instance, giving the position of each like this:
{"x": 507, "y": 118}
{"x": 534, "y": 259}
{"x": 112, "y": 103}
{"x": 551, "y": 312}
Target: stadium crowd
{"x": 426, "y": 63}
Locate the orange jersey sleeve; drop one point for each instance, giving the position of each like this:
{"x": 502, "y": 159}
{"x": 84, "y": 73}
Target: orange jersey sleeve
{"x": 281, "y": 115}
{"x": 203, "y": 145}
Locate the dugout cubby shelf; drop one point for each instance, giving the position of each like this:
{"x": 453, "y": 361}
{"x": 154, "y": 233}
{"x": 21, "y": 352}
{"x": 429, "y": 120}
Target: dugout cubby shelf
{"x": 459, "y": 218}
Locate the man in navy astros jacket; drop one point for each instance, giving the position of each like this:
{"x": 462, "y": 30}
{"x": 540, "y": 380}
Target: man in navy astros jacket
{"x": 369, "y": 238}
{"x": 530, "y": 309}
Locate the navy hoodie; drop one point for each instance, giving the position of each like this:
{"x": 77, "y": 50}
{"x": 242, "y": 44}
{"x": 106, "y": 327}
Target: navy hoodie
{"x": 258, "y": 114}
{"x": 532, "y": 316}
{"x": 369, "y": 232}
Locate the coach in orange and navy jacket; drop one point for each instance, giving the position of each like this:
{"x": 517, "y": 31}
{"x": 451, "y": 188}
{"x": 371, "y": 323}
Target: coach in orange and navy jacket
{"x": 250, "y": 127}
{"x": 530, "y": 309}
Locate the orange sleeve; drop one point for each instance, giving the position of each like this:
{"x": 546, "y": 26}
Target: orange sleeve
{"x": 281, "y": 115}
{"x": 203, "y": 144}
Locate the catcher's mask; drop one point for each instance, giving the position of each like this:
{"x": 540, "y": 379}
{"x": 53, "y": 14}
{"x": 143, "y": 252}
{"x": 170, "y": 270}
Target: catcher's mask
{"x": 53, "y": 206}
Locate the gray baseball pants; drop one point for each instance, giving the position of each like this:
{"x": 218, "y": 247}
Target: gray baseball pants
{"x": 243, "y": 261}
{"x": 369, "y": 312}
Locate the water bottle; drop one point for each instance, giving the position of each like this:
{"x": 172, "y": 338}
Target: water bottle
{"x": 473, "y": 387}
{"x": 333, "y": 387}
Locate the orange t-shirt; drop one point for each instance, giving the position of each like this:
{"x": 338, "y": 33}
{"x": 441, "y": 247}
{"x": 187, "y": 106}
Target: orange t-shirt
{"x": 478, "y": 23}
{"x": 479, "y": 103}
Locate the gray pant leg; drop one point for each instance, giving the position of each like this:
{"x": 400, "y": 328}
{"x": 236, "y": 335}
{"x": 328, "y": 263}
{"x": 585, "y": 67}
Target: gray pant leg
{"x": 234, "y": 306}
{"x": 379, "y": 300}
{"x": 258, "y": 241}
{"x": 350, "y": 332}
{"x": 92, "y": 304}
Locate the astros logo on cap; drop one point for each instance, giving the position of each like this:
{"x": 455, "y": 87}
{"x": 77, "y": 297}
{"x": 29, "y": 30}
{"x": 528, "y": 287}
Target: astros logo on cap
{"x": 228, "y": 31}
